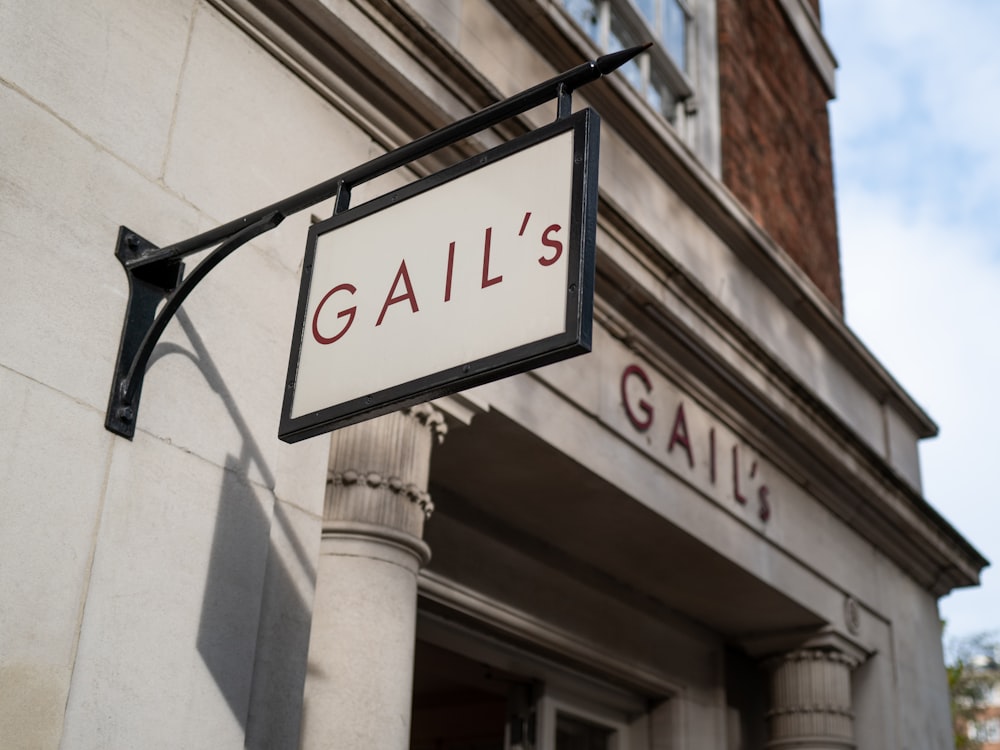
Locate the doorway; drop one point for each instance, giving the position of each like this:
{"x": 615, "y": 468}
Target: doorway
{"x": 462, "y": 704}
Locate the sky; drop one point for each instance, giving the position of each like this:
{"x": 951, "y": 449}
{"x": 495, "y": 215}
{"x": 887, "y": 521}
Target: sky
{"x": 916, "y": 148}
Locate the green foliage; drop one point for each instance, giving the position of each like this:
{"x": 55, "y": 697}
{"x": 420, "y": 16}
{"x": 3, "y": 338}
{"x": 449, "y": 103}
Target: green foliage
{"x": 972, "y": 673}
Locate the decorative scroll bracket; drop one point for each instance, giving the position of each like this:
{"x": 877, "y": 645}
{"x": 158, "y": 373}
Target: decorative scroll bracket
{"x": 156, "y": 275}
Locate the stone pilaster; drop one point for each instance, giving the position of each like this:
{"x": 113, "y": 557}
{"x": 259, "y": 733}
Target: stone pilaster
{"x": 810, "y": 692}
{"x": 360, "y": 673}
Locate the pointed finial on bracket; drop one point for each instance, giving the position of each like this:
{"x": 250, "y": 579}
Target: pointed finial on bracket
{"x": 614, "y": 60}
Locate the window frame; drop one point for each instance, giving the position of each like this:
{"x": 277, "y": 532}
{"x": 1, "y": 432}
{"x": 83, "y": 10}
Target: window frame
{"x": 656, "y": 64}
{"x": 555, "y": 702}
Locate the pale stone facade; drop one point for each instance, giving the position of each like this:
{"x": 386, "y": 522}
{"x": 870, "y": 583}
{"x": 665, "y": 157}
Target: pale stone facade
{"x": 706, "y": 534}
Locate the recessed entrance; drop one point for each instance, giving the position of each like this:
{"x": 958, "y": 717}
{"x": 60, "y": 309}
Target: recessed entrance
{"x": 462, "y": 704}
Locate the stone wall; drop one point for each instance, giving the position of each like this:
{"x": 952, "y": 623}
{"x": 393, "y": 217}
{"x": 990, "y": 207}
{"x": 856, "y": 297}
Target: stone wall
{"x": 158, "y": 592}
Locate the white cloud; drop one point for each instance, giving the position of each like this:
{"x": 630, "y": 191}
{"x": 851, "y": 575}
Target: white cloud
{"x": 918, "y": 87}
{"x": 918, "y": 182}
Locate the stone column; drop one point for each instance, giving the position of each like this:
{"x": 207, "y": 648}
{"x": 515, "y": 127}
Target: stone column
{"x": 811, "y": 700}
{"x": 359, "y": 681}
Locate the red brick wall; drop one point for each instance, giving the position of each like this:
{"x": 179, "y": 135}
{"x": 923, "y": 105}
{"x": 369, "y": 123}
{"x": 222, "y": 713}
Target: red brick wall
{"x": 776, "y": 136}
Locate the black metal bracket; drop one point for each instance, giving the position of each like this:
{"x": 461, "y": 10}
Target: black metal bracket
{"x": 156, "y": 275}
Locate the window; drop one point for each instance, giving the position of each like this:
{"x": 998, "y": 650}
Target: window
{"x": 660, "y": 75}
{"x": 985, "y": 731}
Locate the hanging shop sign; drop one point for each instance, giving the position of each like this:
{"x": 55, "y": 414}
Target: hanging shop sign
{"x": 480, "y": 271}
{"x": 475, "y": 273}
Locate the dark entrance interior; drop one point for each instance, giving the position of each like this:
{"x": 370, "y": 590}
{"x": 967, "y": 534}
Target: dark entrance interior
{"x": 462, "y": 704}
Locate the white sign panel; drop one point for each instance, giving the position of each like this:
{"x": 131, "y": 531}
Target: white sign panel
{"x": 469, "y": 275}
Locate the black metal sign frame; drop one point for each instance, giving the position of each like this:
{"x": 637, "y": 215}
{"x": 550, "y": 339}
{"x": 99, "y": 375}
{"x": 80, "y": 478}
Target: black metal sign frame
{"x": 158, "y": 286}
{"x": 575, "y": 338}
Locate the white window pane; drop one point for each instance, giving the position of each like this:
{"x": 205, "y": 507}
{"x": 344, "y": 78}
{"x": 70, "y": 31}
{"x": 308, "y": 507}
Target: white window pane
{"x": 619, "y": 38}
{"x": 584, "y": 12}
{"x": 992, "y": 733}
{"x": 662, "y": 98}
{"x": 674, "y": 34}
{"x": 648, "y": 10}
{"x": 619, "y": 24}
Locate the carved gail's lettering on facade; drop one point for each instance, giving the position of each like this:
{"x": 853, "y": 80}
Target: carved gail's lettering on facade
{"x": 697, "y": 449}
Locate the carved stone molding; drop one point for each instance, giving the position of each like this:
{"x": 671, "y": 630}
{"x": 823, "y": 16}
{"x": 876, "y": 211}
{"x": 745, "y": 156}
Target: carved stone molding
{"x": 852, "y": 615}
{"x": 394, "y": 485}
{"x": 340, "y": 535}
{"x": 432, "y": 419}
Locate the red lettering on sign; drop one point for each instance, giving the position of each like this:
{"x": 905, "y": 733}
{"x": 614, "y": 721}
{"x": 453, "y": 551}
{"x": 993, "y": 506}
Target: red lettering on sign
{"x": 349, "y": 312}
{"x": 403, "y": 274}
{"x": 640, "y": 424}
{"x": 451, "y": 266}
{"x": 524, "y": 224}
{"x": 556, "y": 245}
{"x": 487, "y": 281}
{"x": 679, "y": 435}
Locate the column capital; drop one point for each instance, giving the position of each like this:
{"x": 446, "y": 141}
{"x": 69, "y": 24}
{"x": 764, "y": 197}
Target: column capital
{"x": 379, "y": 471}
{"x": 827, "y": 645}
{"x": 431, "y": 418}
{"x": 768, "y": 645}
{"x": 811, "y": 654}
{"x": 810, "y": 690}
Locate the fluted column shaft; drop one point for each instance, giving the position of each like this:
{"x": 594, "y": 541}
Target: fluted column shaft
{"x": 811, "y": 701}
{"x": 360, "y": 675}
